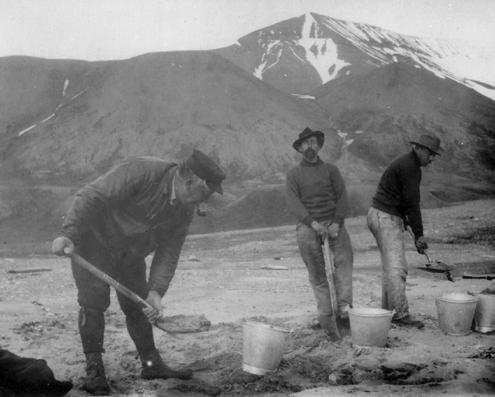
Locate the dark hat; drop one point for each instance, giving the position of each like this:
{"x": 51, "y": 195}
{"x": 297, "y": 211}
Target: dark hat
{"x": 307, "y": 133}
{"x": 206, "y": 169}
{"x": 430, "y": 142}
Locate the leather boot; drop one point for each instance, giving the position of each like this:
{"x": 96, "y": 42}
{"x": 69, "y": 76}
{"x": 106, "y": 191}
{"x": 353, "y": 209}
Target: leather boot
{"x": 155, "y": 368}
{"x": 328, "y": 325}
{"x": 344, "y": 325}
{"x": 95, "y": 382}
{"x": 408, "y": 321}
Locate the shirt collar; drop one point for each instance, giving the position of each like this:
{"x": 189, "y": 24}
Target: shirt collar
{"x": 415, "y": 157}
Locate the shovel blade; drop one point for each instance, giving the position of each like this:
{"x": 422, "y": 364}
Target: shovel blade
{"x": 432, "y": 269}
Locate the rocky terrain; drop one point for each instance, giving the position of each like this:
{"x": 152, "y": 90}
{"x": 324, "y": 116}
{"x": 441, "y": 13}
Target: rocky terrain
{"x": 257, "y": 274}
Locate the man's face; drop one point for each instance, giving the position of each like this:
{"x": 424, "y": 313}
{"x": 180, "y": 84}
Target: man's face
{"x": 310, "y": 148}
{"x": 193, "y": 190}
{"x": 425, "y": 155}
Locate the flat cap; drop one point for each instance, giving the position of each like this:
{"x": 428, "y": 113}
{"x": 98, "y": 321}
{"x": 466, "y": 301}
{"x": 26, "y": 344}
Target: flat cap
{"x": 205, "y": 168}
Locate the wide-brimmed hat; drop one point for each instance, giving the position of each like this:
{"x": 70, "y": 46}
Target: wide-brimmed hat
{"x": 430, "y": 142}
{"x": 307, "y": 133}
{"x": 206, "y": 169}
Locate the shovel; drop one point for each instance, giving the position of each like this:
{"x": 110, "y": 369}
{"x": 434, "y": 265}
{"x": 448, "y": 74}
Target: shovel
{"x": 434, "y": 266}
{"x": 330, "y": 267}
{"x": 80, "y": 261}
{"x": 488, "y": 276}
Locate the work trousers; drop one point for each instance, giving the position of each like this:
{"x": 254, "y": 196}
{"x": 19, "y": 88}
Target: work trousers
{"x": 312, "y": 254}
{"x": 94, "y": 296}
{"x": 389, "y": 234}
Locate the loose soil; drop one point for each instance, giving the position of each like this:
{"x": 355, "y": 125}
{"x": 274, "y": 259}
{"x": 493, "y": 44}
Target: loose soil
{"x": 227, "y": 278}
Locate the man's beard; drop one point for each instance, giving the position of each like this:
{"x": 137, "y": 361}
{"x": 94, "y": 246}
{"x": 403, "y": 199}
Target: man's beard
{"x": 310, "y": 154}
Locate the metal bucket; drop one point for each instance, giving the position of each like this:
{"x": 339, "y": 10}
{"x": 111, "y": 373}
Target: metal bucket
{"x": 263, "y": 347}
{"x": 484, "y": 316}
{"x": 369, "y": 326}
{"x": 456, "y": 312}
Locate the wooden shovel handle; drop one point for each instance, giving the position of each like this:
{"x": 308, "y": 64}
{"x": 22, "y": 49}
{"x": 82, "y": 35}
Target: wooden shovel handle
{"x": 80, "y": 261}
{"x": 329, "y": 265}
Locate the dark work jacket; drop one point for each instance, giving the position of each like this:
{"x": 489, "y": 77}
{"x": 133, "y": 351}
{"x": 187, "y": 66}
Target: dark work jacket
{"x": 398, "y": 191}
{"x": 316, "y": 192}
{"x": 128, "y": 209}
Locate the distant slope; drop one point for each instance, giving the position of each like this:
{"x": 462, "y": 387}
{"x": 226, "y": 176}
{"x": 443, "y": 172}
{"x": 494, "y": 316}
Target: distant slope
{"x": 161, "y": 104}
{"x": 381, "y": 111}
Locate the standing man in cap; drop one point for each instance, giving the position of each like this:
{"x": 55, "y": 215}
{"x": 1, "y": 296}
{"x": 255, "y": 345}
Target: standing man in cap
{"x": 316, "y": 196}
{"x": 395, "y": 207}
{"x": 142, "y": 206}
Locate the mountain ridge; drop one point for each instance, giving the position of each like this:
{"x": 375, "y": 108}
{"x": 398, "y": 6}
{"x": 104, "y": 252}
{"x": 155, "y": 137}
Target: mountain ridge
{"x": 63, "y": 122}
{"x": 353, "y": 47}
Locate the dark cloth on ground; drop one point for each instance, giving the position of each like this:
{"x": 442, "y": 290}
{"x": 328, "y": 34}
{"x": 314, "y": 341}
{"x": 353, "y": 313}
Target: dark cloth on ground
{"x": 23, "y": 376}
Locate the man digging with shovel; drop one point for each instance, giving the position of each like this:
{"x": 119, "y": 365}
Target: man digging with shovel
{"x": 396, "y": 205}
{"x": 142, "y": 206}
{"x": 316, "y": 195}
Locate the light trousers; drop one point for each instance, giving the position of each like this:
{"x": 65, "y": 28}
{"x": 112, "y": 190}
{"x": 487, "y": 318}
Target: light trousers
{"x": 312, "y": 254}
{"x": 389, "y": 234}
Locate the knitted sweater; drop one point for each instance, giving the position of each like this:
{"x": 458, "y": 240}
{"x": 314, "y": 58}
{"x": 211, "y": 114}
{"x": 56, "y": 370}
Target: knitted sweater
{"x": 398, "y": 191}
{"x": 316, "y": 192}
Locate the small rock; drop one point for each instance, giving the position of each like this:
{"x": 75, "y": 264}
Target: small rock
{"x": 332, "y": 379}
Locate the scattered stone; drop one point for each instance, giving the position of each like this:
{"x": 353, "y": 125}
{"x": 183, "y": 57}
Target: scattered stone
{"x": 488, "y": 353}
{"x": 332, "y": 379}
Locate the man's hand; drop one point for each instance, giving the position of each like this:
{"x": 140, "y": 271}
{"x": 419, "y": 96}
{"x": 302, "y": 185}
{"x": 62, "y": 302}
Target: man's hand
{"x": 63, "y": 246}
{"x": 320, "y": 229}
{"x": 421, "y": 245}
{"x": 155, "y": 300}
{"x": 333, "y": 230}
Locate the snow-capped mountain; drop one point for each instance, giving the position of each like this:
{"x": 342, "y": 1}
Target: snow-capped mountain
{"x": 302, "y": 53}
{"x": 62, "y": 122}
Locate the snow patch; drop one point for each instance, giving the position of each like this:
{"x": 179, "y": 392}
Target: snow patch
{"x": 263, "y": 66}
{"x": 446, "y": 59}
{"x": 48, "y": 118}
{"x": 490, "y": 93}
{"x": 321, "y": 53}
{"x": 26, "y": 130}
{"x": 304, "y": 96}
{"x": 66, "y": 85}
{"x": 79, "y": 93}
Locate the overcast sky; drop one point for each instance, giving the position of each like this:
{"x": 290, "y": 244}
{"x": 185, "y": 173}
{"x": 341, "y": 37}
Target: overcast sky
{"x": 117, "y": 29}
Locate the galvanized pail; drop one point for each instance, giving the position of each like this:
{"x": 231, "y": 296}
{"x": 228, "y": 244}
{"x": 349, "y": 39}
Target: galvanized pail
{"x": 263, "y": 347}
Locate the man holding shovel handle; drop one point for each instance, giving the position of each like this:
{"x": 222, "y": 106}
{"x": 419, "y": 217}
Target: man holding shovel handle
{"x": 395, "y": 207}
{"x": 317, "y": 197}
{"x": 141, "y": 206}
